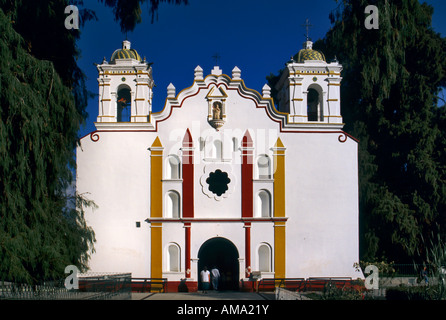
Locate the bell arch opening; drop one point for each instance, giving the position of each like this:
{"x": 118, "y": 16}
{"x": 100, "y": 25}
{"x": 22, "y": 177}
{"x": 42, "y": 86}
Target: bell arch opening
{"x": 315, "y": 110}
{"x": 123, "y": 104}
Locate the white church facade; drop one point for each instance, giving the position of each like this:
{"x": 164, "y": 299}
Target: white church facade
{"x": 221, "y": 176}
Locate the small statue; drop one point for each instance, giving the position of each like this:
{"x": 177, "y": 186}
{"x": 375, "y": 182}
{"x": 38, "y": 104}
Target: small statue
{"x": 216, "y": 111}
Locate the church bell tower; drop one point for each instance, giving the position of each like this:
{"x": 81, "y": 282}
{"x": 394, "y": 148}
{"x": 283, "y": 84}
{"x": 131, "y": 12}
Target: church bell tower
{"x": 309, "y": 88}
{"x": 125, "y": 87}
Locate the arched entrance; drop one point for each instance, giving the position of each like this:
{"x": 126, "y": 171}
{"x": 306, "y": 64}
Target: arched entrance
{"x": 223, "y": 254}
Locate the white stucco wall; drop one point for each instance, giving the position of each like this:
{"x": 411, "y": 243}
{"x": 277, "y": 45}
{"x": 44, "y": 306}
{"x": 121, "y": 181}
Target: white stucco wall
{"x": 321, "y": 189}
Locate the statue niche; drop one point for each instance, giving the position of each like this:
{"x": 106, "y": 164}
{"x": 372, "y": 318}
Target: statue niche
{"x": 216, "y": 119}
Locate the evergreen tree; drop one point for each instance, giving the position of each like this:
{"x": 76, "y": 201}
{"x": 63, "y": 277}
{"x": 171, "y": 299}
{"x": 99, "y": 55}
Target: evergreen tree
{"x": 391, "y": 80}
{"x": 128, "y": 12}
{"x": 39, "y": 234}
{"x": 42, "y": 105}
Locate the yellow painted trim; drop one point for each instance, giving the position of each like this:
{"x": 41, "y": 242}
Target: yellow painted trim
{"x": 320, "y": 123}
{"x": 279, "y": 250}
{"x": 156, "y": 207}
{"x": 332, "y": 100}
{"x": 230, "y": 80}
{"x": 334, "y": 84}
{"x": 279, "y": 164}
{"x": 314, "y": 73}
{"x": 156, "y": 249}
{"x": 222, "y": 92}
{"x": 279, "y": 208}
{"x": 120, "y": 73}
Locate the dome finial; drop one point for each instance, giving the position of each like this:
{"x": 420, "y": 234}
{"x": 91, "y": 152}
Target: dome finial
{"x": 308, "y": 45}
{"x": 307, "y": 25}
{"x": 126, "y": 44}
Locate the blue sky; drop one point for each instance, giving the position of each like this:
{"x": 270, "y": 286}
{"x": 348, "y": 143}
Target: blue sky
{"x": 257, "y": 36}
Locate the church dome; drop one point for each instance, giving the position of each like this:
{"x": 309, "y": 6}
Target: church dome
{"x": 307, "y": 53}
{"x": 125, "y": 53}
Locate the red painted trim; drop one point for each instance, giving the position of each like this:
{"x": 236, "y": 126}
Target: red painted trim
{"x": 94, "y": 136}
{"x": 293, "y": 131}
{"x": 171, "y": 286}
{"x": 242, "y": 95}
{"x": 188, "y": 193}
{"x": 247, "y": 176}
{"x": 188, "y": 176}
{"x": 345, "y": 137}
{"x": 178, "y": 106}
{"x": 241, "y": 220}
{"x": 187, "y": 227}
{"x": 248, "y": 249}
{"x": 182, "y": 286}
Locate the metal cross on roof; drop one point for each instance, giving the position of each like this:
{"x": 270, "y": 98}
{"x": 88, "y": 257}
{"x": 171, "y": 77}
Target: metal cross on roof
{"x": 216, "y": 57}
{"x": 307, "y": 25}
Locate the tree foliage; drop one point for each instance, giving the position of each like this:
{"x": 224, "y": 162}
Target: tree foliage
{"x": 43, "y": 97}
{"x": 391, "y": 80}
{"x": 41, "y": 25}
{"x": 129, "y": 13}
{"x": 39, "y": 234}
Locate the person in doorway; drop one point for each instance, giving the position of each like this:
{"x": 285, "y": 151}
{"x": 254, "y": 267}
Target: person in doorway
{"x": 205, "y": 280}
{"x": 215, "y": 277}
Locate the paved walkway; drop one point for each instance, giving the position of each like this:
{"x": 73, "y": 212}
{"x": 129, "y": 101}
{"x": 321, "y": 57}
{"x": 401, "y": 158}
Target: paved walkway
{"x": 211, "y": 295}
